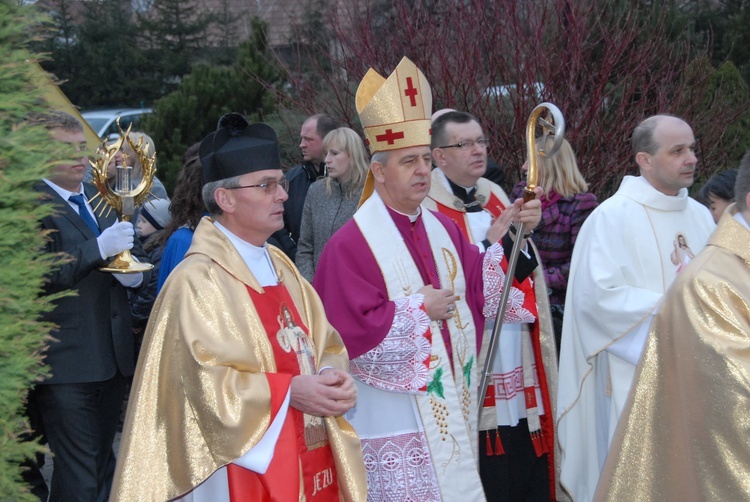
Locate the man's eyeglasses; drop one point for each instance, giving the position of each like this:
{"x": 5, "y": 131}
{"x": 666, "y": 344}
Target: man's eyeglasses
{"x": 469, "y": 143}
{"x": 269, "y": 187}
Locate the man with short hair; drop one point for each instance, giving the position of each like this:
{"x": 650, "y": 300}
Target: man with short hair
{"x": 301, "y": 176}
{"x": 242, "y": 381}
{"x": 687, "y": 412}
{"x": 494, "y": 172}
{"x": 409, "y": 295}
{"x": 621, "y": 267}
{"x": 91, "y": 353}
{"x": 516, "y": 439}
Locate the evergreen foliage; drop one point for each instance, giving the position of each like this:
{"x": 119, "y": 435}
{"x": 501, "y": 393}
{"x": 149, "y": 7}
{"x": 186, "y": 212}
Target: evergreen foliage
{"x": 721, "y": 149}
{"x": 102, "y": 61}
{"x": 25, "y": 157}
{"x": 112, "y": 70}
{"x": 189, "y": 113}
{"x": 125, "y": 54}
{"x": 174, "y": 32}
{"x": 725, "y": 27}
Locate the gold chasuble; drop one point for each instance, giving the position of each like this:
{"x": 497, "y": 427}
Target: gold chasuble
{"x": 215, "y": 368}
{"x": 683, "y": 435}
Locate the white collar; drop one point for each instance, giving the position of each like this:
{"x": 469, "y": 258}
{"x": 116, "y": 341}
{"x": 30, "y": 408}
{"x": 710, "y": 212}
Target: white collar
{"x": 65, "y": 194}
{"x": 741, "y": 219}
{"x": 643, "y": 192}
{"x": 412, "y": 217}
{"x": 256, "y": 258}
{"x": 447, "y": 185}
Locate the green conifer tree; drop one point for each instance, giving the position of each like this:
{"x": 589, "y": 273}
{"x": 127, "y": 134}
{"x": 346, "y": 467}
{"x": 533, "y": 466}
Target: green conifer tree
{"x": 175, "y": 32}
{"x": 25, "y": 157}
{"x": 189, "y": 113}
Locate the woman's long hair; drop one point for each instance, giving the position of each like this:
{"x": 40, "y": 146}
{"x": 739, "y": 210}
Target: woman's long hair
{"x": 349, "y": 142}
{"x": 187, "y": 207}
{"x": 133, "y": 159}
{"x": 560, "y": 172}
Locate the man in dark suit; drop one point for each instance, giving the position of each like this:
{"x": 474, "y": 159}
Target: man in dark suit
{"x": 91, "y": 354}
{"x": 301, "y": 176}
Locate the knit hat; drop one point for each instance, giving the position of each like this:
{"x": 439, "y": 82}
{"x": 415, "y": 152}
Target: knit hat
{"x": 238, "y": 147}
{"x": 156, "y": 212}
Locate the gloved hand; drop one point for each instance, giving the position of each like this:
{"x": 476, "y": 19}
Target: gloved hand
{"x": 129, "y": 280}
{"x": 116, "y": 239}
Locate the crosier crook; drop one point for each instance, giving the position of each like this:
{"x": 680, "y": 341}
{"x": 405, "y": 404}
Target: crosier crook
{"x": 556, "y": 127}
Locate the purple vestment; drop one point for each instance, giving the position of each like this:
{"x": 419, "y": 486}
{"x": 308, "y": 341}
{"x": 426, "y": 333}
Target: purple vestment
{"x": 354, "y": 293}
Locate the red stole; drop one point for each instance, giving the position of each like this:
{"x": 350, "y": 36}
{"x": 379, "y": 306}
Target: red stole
{"x": 303, "y": 440}
{"x": 542, "y": 442}
{"x": 493, "y": 206}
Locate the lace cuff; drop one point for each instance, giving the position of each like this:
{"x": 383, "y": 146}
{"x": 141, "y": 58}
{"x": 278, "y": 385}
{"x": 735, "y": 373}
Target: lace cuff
{"x": 494, "y": 279}
{"x": 400, "y": 362}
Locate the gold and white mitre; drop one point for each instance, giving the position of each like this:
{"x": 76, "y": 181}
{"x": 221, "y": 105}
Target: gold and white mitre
{"x": 394, "y": 112}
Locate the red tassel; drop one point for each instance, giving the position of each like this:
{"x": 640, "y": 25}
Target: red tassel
{"x": 488, "y": 444}
{"x": 499, "y": 450}
{"x": 537, "y": 440}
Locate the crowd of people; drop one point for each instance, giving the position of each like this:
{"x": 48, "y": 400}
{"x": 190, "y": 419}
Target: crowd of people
{"x": 320, "y": 333}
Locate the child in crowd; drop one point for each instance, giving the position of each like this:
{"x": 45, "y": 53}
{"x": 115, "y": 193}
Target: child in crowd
{"x": 154, "y": 216}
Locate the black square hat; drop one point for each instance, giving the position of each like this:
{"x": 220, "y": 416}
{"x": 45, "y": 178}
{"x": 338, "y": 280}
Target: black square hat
{"x": 238, "y": 147}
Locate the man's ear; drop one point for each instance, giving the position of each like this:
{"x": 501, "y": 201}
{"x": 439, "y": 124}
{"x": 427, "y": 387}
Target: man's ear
{"x": 225, "y": 200}
{"x": 438, "y": 157}
{"x": 643, "y": 160}
{"x": 377, "y": 171}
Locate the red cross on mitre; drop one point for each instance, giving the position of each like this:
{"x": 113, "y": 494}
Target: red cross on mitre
{"x": 390, "y": 136}
{"x": 411, "y": 91}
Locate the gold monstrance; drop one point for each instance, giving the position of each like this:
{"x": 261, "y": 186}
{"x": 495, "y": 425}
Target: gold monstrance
{"x": 124, "y": 198}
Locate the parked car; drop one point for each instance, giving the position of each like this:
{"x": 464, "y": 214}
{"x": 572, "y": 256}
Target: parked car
{"x": 104, "y": 122}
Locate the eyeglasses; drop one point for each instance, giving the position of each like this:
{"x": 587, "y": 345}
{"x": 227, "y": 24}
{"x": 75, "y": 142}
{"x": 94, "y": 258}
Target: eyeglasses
{"x": 269, "y": 187}
{"x": 469, "y": 143}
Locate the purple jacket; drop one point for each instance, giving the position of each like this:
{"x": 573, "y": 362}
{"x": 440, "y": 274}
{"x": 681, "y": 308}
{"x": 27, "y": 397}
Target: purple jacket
{"x": 556, "y": 235}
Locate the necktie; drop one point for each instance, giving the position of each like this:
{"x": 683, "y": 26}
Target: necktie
{"x": 83, "y": 211}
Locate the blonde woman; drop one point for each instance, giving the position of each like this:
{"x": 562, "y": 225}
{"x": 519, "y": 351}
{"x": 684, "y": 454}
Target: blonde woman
{"x": 157, "y": 188}
{"x": 331, "y": 201}
{"x": 566, "y": 204}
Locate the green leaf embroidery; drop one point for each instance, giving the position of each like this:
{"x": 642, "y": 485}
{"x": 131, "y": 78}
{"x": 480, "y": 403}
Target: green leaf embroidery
{"x": 436, "y": 386}
{"x": 467, "y": 371}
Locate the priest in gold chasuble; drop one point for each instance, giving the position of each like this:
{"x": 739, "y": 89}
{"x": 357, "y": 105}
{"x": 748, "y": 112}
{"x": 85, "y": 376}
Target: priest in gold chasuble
{"x": 242, "y": 382}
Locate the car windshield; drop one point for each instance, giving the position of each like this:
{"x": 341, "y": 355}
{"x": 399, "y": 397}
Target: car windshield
{"x": 97, "y": 123}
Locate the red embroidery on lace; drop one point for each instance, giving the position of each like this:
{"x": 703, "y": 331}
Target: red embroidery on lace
{"x": 397, "y": 364}
{"x": 494, "y": 278}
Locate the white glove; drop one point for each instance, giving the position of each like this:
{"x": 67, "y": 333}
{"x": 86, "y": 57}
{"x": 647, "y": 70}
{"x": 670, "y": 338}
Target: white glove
{"x": 129, "y": 280}
{"x": 116, "y": 239}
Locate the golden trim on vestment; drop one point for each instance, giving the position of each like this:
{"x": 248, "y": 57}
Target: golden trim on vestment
{"x": 201, "y": 397}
